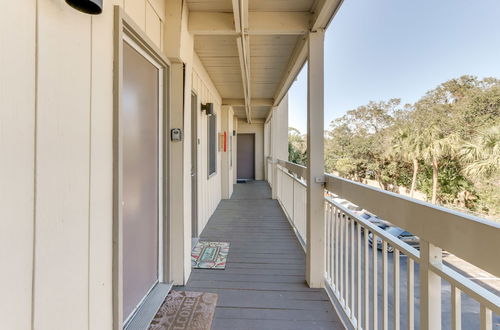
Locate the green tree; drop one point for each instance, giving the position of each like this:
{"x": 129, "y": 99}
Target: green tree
{"x": 356, "y": 143}
{"x": 296, "y": 147}
{"x": 482, "y": 154}
{"x": 408, "y": 146}
{"x": 437, "y": 146}
{"x": 446, "y": 144}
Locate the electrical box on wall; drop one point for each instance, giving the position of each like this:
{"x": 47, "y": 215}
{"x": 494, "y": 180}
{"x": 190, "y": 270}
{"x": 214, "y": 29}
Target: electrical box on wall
{"x": 176, "y": 134}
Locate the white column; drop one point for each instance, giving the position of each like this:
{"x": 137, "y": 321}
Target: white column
{"x": 315, "y": 263}
{"x": 178, "y": 228}
{"x": 430, "y": 287}
{"x": 274, "y": 152}
{"x": 226, "y": 175}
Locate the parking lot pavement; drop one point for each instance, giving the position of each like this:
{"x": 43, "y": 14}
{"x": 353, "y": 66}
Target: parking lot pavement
{"x": 470, "y": 307}
{"x": 472, "y": 272}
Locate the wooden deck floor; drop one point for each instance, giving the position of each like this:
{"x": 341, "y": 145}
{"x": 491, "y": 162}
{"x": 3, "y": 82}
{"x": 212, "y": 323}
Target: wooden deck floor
{"x": 263, "y": 285}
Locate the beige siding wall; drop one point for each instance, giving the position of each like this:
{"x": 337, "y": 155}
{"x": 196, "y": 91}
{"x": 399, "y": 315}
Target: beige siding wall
{"x": 56, "y": 132}
{"x": 17, "y": 136}
{"x": 56, "y": 107}
{"x": 209, "y": 188}
{"x": 258, "y": 130}
{"x": 149, "y": 15}
{"x": 62, "y": 166}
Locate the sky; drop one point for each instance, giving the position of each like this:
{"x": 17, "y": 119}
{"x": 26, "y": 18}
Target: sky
{"x": 381, "y": 49}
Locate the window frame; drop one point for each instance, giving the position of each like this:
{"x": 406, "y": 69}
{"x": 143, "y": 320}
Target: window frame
{"x": 212, "y": 145}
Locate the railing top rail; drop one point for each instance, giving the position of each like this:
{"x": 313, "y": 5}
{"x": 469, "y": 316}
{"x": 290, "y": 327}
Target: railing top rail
{"x": 291, "y": 176}
{"x": 470, "y": 288}
{"x": 294, "y": 168}
{"x": 469, "y": 237}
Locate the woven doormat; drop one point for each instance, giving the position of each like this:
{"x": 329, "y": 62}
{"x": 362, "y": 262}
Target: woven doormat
{"x": 210, "y": 255}
{"x": 184, "y": 310}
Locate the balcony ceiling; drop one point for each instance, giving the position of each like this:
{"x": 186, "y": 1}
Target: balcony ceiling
{"x": 253, "y": 49}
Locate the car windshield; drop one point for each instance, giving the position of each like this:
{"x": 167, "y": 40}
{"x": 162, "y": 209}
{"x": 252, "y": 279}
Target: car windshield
{"x": 395, "y": 231}
{"x": 365, "y": 216}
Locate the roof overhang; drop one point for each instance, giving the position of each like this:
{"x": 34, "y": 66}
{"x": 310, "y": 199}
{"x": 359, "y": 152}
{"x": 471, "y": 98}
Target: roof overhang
{"x": 254, "y": 49}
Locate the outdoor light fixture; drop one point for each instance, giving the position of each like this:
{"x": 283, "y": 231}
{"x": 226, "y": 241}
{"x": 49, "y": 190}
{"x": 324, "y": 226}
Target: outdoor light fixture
{"x": 92, "y": 7}
{"x": 208, "y": 107}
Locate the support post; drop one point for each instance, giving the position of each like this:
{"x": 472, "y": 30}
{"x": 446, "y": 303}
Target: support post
{"x": 226, "y": 170}
{"x": 274, "y": 177}
{"x": 274, "y": 135}
{"x": 178, "y": 231}
{"x": 430, "y": 287}
{"x": 315, "y": 258}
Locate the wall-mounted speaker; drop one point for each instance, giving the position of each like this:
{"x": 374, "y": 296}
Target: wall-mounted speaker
{"x": 92, "y": 7}
{"x": 208, "y": 108}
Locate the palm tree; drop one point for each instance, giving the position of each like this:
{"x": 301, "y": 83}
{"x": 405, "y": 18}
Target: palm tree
{"x": 408, "y": 146}
{"x": 482, "y": 154}
{"x": 437, "y": 146}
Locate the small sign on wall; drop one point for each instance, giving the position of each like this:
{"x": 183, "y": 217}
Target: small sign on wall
{"x": 176, "y": 134}
{"x": 223, "y": 142}
{"x": 221, "y": 137}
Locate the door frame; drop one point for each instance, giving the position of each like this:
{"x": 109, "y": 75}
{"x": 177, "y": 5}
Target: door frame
{"x": 125, "y": 30}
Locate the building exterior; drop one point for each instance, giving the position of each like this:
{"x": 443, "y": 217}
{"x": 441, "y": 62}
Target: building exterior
{"x": 110, "y": 158}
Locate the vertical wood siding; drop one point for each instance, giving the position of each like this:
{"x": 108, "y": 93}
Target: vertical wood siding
{"x": 56, "y": 102}
{"x": 17, "y": 129}
{"x": 209, "y": 188}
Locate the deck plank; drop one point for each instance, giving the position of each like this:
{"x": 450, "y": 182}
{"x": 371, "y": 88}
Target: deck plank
{"x": 263, "y": 285}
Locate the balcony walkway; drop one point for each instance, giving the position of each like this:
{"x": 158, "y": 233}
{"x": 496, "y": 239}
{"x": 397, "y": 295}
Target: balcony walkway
{"x": 263, "y": 285}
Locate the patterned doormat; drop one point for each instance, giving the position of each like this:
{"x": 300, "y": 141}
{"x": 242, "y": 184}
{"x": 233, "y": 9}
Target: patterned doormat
{"x": 184, "y": 310}
{"x": 210, "y": 255}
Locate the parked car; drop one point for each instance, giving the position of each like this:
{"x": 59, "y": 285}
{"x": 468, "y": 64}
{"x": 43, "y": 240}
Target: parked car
{"x": 330, "y": 194}
{"x": 381, "y": 223}
{"x": 348, "y": 205}
{"x": 399, "y": 233}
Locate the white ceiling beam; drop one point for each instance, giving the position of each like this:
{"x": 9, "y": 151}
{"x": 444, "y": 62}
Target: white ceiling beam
{"x": 236, "y": 15}
{"x": 280, "y": 23}
{"x": 253, "y": 102}
{"x": 259, "y": 23}
{"x": 244, "y": 76}
{"x": 210, "y": 23}
{"x": 240, "y": 13}
{"x": 246, "y": 56}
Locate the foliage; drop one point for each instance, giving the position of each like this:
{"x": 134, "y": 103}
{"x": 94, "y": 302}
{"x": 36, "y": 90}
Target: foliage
{"x": 446, "y": 145}
{"x": 296, "y": 147}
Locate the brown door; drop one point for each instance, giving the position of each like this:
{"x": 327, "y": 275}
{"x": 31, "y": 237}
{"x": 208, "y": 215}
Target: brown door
{"x": 246, "y": 157}
{"x": 140, "y": 104}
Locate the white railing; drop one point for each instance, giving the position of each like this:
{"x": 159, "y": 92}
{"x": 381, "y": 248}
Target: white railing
{"x": 269, "y": 165}
{"x": 291, "y": 193}
{"x": 409, "y": 289}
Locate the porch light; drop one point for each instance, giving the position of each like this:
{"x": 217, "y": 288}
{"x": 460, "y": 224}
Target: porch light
{"x": 92, "y": 7}
{"x": 208, "y": 107}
